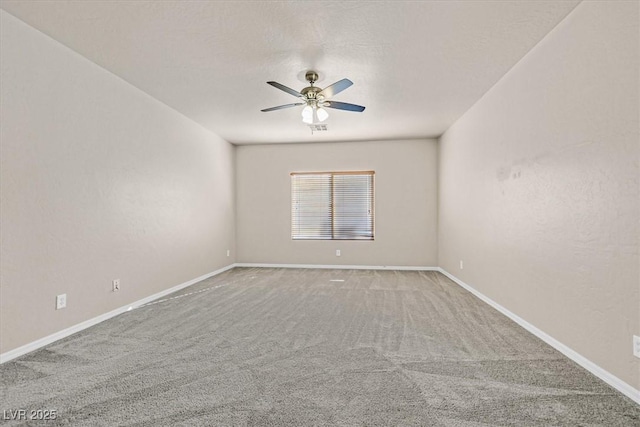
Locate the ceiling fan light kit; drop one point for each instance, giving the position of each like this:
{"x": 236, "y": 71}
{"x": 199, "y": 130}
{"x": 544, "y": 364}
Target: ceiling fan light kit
{"x": 316, "y": 99}
{"x": 314, "y": 111}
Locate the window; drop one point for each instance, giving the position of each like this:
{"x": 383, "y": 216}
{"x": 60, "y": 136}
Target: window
{"x": 332, "y": 206}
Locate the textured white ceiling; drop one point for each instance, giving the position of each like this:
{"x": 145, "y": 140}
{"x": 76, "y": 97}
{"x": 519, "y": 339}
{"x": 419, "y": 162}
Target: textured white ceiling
{"x": 416, "y": 66}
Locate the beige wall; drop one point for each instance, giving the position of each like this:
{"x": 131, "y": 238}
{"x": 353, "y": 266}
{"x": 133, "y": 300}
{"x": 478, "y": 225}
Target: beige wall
{"x": 539, "y": 192}
{"x": 98, "y": 181}
{"x": 405, "y": 202}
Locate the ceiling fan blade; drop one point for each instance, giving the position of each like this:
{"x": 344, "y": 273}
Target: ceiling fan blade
{"x": 335, "y": 88}
{"x": 343, "y": 106}
{"x": 286, "y": 89}
{"x": 280, "y": 107}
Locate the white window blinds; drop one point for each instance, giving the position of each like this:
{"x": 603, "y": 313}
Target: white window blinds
{"x": 332, "y": 205}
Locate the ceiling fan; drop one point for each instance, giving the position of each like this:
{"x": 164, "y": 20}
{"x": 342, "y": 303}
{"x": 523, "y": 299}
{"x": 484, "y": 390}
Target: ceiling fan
{"x": 316, "y": 99}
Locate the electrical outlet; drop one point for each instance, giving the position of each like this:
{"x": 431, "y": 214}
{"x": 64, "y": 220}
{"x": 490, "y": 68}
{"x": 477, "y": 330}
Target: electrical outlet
{"x": 61, "y": 301}
{"x": 636, "y": 346}
{"x": 115, "y": 285}
{"x": 228, "y": 252}
{"x": 337, "y": 252}
{"x": 461, "y": 265}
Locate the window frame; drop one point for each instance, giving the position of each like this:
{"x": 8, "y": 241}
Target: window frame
{"x": 332, "y": 174}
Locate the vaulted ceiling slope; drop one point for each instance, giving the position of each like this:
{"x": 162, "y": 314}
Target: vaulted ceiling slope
{"x": 416, "y": 66}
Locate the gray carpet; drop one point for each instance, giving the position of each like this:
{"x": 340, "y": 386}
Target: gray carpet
{"x": 274, "y": 347}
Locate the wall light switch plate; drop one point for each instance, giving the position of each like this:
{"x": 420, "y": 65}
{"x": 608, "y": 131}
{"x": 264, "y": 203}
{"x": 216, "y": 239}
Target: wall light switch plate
{"x": 461, "y": 265}
{"x": 61, "y": 301}
{"x": 636, "y": 346}
{"x": 115, "y": 285}
{"x": 337, "y": 252}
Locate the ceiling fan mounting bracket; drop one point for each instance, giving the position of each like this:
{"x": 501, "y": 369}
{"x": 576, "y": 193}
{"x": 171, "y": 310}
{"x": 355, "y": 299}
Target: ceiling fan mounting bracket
{"x": 311, "y": 76}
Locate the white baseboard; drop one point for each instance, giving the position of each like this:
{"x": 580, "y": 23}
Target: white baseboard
{"x": 596, "y": 370}
{"x": 34, "y": 345}
{"x": 339, "y": 267}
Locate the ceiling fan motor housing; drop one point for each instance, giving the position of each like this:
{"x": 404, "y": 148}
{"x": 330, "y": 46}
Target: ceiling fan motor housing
{"x": 311, "y": 92}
